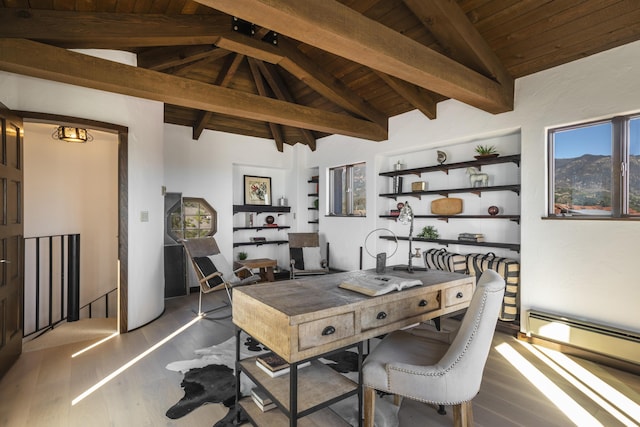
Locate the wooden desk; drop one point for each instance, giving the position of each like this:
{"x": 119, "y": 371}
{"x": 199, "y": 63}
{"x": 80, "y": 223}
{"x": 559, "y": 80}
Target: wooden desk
{"x": 264, "y": 264}
{"x": 305, "y": 318}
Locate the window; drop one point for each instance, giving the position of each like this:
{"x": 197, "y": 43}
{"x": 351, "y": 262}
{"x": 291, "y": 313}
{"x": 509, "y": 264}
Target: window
{"x": 193, "y": 218}
{"x": 348, "y": 190}
{"x": 594, "y": 169}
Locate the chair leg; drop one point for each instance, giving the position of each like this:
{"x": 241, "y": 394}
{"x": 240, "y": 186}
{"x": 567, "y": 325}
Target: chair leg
{"x": 369, "y": 406}
{"x": 463, "y": 415}
{"x": 203, "y": 314}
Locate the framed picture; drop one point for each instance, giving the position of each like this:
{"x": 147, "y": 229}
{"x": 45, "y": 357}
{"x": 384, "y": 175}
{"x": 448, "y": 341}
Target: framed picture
{"x": 257, "y": 190}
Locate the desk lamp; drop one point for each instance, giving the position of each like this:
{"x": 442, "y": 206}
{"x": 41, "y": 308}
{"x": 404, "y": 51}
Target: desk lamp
{"x": 406, "y": 218}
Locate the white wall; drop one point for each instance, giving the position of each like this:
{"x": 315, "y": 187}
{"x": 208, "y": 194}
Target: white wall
{"x": 584, "y": 269}
{"x": 144, "y": 120}
{"x": 73, "y": 188}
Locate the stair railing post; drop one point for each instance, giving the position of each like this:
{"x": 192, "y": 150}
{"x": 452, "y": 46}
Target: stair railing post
{"x": 73, "y": 268}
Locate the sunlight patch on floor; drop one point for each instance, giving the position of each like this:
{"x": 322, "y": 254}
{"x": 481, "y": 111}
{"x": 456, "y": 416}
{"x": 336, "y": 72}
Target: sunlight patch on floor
{"x": 94, "y": 345}
{"x": 574, "y": 412}
{"x": 132, "y": 362}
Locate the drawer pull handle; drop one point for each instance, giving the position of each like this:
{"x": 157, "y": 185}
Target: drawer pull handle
{"x": 423, "y": 303}
{"x": 381, "y": 315}
{"x": 459, "y": 295}
{"x": 329, "y": 330}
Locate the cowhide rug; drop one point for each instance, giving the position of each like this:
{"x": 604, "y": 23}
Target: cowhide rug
{"x": 209, "y": 378}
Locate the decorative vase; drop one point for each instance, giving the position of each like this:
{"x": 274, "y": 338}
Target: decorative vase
{"x": 493, "y": 210}
{"x": 270, "y": 219}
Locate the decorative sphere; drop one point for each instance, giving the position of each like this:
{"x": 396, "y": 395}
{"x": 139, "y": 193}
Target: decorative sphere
{"x": 400, "y": 205}
{"x": 493, "y": 210}
{"x": 270, "y": 219}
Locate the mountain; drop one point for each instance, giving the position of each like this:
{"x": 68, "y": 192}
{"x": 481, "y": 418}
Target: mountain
{"x": 586, "y": 181}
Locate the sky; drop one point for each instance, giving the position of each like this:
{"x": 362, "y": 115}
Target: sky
{"x": 595, "y": 139}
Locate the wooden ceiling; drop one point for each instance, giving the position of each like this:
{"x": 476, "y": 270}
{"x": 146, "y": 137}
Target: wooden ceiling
{"x": 293, "y": 71}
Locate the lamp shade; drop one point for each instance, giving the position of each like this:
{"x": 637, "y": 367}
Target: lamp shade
{"x": 72, "y": 134}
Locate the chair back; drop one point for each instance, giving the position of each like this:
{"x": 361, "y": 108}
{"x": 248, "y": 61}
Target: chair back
{"x": 304, "y": 240}
{"x": 201, "y": 246}
{"x": 467, "y": 355}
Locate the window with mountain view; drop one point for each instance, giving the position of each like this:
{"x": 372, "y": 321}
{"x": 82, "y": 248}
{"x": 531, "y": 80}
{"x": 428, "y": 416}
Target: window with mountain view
{"x": 595, "y": 169}
{"x": 348, "y": 190}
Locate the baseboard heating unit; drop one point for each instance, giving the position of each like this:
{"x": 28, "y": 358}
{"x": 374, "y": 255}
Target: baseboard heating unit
{"x": 613, "y": 342}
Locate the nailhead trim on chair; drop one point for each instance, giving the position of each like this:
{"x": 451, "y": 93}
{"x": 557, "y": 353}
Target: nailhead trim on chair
{"x": 473, "y": 334}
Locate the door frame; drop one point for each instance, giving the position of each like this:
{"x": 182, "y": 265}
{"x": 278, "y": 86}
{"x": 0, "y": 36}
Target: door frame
{"x": 123, "y": 195}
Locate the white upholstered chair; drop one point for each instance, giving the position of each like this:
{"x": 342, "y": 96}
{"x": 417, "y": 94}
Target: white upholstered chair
{"x": 213, "y": 271}
{"x": 433, "y": 370}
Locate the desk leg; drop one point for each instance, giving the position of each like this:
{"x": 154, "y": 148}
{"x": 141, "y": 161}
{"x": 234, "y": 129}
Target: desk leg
{"x": 360, "y": 381}
{"x": 293, "y": 395}
{"x": 238, "y": 376}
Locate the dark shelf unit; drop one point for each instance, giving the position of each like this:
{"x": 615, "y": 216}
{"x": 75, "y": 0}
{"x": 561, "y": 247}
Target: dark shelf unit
{"x": 258, "y": 209}
{"x": 446, "y": 167}
{"x": 446, "y": 192}
{"x": 446, "y": 242}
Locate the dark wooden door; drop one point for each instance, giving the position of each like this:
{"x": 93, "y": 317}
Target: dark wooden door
{"x": 11, "y": 238}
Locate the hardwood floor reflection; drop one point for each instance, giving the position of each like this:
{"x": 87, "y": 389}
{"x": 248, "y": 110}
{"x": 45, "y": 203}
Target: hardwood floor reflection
{"x": 39, "y": 389}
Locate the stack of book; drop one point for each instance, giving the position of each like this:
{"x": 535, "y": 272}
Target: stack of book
{"x": 275, "y": 365}
{"x": 471, "y": 237}
{"x": 262, "y": 400}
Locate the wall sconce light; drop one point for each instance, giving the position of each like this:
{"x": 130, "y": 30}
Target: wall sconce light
{"x": 71, "y": 134}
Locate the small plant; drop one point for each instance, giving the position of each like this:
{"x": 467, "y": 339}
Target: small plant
{"x": 486, "y": 150}
{"x": 242, "y": 256}
{"x": 429, "y": 232}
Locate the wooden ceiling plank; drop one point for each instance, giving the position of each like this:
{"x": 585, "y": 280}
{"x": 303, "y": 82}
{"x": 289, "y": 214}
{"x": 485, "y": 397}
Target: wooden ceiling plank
{"x": 276, "y": 131}
{"x": 111, "y": 30}
{"x": 415, "y": 95}
{"x": 224, "y": 78}
{"x": 281, "y": 91}
{"x": 51, "y": 63}
{"x": 452, "y": 29}
{"x": 345, "y": 32}
{"x": 302, "y": 67}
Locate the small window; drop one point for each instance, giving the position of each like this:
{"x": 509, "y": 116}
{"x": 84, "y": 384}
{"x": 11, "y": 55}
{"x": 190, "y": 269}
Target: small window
{"x": 348, "y": 190}
{"x": 191, "y": 219}
{"x": 594, "y": 169}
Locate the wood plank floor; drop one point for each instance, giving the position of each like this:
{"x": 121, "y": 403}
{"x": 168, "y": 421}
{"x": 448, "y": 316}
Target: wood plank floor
{"x": 40, "y": 388}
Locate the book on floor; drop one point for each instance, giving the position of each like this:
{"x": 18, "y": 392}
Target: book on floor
{"x": 275, "y": 365}
{"x": 374, "y": 285}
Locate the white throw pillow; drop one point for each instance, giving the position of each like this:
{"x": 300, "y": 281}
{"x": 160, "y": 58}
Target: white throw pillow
{"x": 223, "y": 267}
{"x": 312, "y": 258}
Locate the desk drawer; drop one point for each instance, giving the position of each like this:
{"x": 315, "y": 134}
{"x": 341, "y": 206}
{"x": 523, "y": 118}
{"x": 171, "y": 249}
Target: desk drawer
{"x": 458, "y": 294}
{"x": 323, "y": 331}
{"x": 384, "y": 314}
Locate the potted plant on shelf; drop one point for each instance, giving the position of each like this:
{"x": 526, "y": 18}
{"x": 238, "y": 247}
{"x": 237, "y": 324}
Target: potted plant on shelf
{"x": 485, "y": 151}
{"x": 429, "y": 232}
{"x": 242, "y": 256}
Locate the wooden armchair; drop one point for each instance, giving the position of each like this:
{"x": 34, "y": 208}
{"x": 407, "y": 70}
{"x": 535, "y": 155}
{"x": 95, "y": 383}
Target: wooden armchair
{"x": 213, "y": 271}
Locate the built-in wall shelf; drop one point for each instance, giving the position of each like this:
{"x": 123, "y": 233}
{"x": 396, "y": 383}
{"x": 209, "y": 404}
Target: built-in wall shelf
{"x": 265, "y": 242}
{"x": 446, "y": 167}
{"x": 261, "y": 209}
{"x": 262, "y": 228}
{"x": 445, "y": 242}
{"x": 445, "y": 192}
{"x": 515, "y": 218}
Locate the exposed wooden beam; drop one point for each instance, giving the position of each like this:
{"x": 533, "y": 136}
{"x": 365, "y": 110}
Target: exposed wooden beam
{"x": 52, "y": 63}
{"x": 111, "y": 30}
{"x": 225, "y": 75}
{"x": 164, "y": 58}
{"x": 451, "y": 27}
{"x": 302, "y": 67}
{"x": 416, "y": 96}
{"x": 276, "y": 131}
{"x": 281, "y": 91}
{"x": 336, "y": 28}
